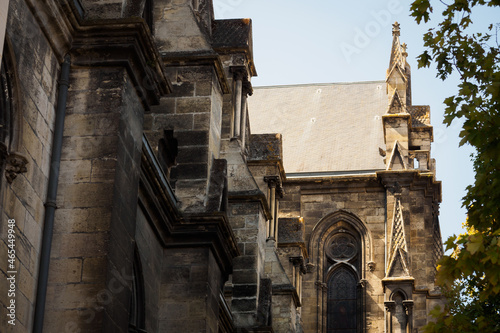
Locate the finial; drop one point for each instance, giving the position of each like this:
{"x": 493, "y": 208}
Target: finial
{"x": 404, "y": 47}
{"x": 395, "y": 29}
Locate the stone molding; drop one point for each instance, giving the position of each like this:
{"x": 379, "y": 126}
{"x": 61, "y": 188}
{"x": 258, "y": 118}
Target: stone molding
{"x": 123, "y": 42}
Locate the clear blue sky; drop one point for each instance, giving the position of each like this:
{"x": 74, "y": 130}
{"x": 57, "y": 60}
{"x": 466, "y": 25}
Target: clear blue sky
{"x": 320, "y": 41}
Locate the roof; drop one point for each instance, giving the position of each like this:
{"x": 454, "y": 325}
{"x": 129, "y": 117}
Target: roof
{"x": 326, "y": 127}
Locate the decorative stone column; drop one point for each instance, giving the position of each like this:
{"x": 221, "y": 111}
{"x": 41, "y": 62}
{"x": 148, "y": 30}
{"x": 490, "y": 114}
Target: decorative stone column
{"x": 247, "y": 90}
{"x": 239, "y": 73}
{"x": 275, "y": 187}
{"x": 408, "y": 307}
{"x": 390, "y": 306}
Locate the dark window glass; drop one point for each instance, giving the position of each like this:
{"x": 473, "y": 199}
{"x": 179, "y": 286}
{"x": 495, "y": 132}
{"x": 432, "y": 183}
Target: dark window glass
{"x": 342, "y": 301}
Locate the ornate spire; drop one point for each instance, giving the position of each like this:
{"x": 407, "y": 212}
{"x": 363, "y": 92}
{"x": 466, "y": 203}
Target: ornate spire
{"x": 395, "y": 29}
{"x": 398, "y": 73}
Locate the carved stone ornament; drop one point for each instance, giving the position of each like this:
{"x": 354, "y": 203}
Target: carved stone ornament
{"x": 310, "y": 267}
{"x": 390, "y": 305}
{"x": 15, "y": 164}
{"x": 395, "y": 189}
{"x": 371, "y": 266}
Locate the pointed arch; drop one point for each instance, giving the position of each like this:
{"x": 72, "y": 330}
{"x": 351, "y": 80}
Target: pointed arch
{"x": 343, "y": 300}
{"x": 399, "y": 315}
{"x": 9, "y": 66}
{"x": 12, "y": 161}
{"x": 333, "y": 223}
{"x": 340, "y": 242}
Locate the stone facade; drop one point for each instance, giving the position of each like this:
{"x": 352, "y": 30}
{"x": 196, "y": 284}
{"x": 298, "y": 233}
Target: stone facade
{"x": 141, "y": 201}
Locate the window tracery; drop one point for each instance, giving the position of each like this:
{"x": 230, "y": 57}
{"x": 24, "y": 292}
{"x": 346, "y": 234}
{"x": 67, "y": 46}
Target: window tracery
{"x": 344, "y": 293}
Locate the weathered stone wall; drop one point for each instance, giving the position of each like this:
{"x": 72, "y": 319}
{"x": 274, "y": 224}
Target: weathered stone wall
{"x": 151, "y": 256}
{"x": 368, "y": 201}
{"x": 36, "y": 68}
{"x": 100, "y": 158}
{"x": 190, "y": 291}
{"x": 363, "y": 198}
{"x": 193, "y": 111}
{"x": 180, "y": 28}
{"x": 248, "y": 224}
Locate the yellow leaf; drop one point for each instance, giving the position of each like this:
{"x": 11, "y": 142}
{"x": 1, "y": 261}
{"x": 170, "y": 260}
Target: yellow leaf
{"x": 473, "y": 247}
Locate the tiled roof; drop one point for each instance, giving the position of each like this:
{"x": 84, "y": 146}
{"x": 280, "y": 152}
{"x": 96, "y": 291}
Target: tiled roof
{"x": 325, "y": 127}
{"x": 420, "y": 115}
{"x": 234, "y": 33}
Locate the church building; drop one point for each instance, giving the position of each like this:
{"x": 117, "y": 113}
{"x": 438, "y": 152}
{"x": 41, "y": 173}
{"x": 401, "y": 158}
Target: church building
{"x": 147, "y": 186}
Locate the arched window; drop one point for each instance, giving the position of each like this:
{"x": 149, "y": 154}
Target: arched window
{"x": 343, "y": 300}
{"x": 340, "y": 247}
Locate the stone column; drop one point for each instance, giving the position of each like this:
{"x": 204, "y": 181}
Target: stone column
{"x": 390, "y": 306}
{"x": 247, "y": 91}
{"x": 239, "y": 74}
{"x": 298, "y": 268}
{"x": 274, "y": 188}
{"x": 408, "y": 307}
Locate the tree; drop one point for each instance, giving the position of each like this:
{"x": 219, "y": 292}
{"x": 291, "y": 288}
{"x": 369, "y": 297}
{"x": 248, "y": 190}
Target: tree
{"x": 470, "y": 276}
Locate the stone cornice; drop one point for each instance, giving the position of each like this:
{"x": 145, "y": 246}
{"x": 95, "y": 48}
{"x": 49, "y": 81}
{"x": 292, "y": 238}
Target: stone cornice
{"x": 414, "y": 179}
{"x": 278, "y": 163}
{"x": 120, "y": 42}
{"x": 197, "y": 58}
{"x": 251, "y": 196}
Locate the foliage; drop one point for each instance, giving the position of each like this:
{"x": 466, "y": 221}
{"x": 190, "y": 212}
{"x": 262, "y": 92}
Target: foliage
{"x": 471, "y": 275}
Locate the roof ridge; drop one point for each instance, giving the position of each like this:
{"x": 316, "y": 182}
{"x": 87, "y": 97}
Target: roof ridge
{"x": 317, "y": 84}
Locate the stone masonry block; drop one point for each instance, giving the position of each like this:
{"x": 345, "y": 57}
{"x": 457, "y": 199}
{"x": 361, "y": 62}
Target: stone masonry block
{"x": 81, "y": 220}
{"x": 75, "y": 171}
{"x": 65, "y": 270}
{"x": 79, "y": 245}
{"x": 244, "y": 304}
{"x": 83, "y": 195}
{"x": 173, "y": 121}
{"x": 291, "y": 230}
{"x": 89, "y": 147}
{"x": 193, "y": 105}
{"x": 191, "y": 138}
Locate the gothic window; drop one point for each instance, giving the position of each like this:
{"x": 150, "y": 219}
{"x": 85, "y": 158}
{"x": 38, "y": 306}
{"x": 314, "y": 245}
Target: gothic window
{"x": 344, "y": 294}
{"x": 342, "y": 301}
